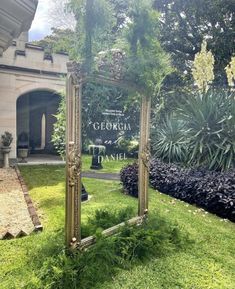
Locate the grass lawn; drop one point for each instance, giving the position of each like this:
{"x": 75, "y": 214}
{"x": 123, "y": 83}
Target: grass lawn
{"x": 209, "y": 262}
{"x": 109, "y": 165}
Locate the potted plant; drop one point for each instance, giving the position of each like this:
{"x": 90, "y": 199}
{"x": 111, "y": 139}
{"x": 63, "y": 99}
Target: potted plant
{"x": 23, "y": 147}
{"x": 6, "y": 142}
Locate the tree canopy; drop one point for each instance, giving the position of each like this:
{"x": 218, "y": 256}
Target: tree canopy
{"x": 186, "y": 23}
{"x": 183, "y": 26}
{"x": 61, "y": 40}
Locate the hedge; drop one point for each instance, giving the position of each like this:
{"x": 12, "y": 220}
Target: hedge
{"x": 211, "y": 190}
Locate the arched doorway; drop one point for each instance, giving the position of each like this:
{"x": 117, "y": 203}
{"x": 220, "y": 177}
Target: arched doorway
{"x": 35, "y": 120}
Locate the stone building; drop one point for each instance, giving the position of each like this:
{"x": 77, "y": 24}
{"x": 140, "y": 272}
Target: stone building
{"x": 30, "y": 83}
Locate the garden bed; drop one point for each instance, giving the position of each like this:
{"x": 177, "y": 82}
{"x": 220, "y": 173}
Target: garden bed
{"x": 213, "y": 191}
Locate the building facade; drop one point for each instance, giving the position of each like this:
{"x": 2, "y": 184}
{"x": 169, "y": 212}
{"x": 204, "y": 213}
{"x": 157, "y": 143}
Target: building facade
{"x": 15, "y": 17}
{"x": 30, "y": 83}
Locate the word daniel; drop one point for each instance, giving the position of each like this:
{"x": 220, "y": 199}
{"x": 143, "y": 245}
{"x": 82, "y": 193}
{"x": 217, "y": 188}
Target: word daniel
{"x": 116, "y": 157}
{"x": 111, "y": 126}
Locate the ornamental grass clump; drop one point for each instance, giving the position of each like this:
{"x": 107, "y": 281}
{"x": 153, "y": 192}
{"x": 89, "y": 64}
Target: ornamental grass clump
{"x": 104, "y": 219}
{"x": 155, "y": 237}
{"x": 170, "y": 142}
{"x": 200, "y": 132}
{"x": 210, "y": 129}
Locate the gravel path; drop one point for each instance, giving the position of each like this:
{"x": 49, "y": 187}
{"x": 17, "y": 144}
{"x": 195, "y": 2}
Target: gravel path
{"x": 14, "y": 216}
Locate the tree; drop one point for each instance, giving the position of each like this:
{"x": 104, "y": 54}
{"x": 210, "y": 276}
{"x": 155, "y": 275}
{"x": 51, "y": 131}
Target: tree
{"x": 184, "y": 25}
{"x": 88, "y": 30}
{"x": 94, "y": 27}
{"x": 147, "y": 64}
{"x": 120, "y": 8}
{"x": 61, "y": 40}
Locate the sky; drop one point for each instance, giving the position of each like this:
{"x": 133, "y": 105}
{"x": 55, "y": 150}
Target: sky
{"x": 40, "y": 26}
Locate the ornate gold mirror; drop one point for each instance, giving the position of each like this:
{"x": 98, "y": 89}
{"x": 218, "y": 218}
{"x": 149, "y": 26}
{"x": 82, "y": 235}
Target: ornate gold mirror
{"x": 75, "y": 82}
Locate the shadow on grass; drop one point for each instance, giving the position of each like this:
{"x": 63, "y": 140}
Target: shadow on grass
{"x": 45, "y": 175}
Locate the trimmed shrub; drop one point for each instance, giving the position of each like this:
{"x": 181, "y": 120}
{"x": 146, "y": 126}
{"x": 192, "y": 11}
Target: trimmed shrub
{"x": 213, "y": 191}
{"x": 129, "y": 179}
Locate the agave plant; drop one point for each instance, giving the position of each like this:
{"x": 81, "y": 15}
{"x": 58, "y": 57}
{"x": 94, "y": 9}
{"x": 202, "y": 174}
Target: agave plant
{"x": 226, "y": 148}
{"x": 210, "y": 121}
{"x": 170, "y": 141}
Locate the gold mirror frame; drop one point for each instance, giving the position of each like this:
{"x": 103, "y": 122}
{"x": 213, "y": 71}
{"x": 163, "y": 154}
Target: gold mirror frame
{"x": 75, "y": 81}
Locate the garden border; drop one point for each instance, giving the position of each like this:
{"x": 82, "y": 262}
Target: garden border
{"x": 31, "y": 209}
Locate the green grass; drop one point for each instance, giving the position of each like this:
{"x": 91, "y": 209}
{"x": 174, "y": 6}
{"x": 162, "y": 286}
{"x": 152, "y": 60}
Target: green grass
{"x": 109, "y": 166}
{"x": 208, "y": 263}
